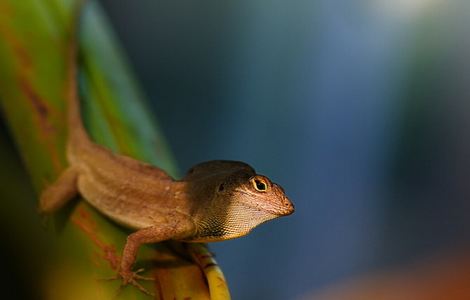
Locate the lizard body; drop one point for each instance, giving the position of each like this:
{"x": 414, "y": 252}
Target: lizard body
{"x": 216, "y": 200}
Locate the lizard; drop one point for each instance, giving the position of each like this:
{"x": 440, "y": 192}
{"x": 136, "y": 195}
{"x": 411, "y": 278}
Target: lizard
{"x": 215, "y": 201}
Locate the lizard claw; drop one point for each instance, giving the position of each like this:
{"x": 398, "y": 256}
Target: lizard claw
{"x": 140, "y": 277}
{"x": 130, "y": 277}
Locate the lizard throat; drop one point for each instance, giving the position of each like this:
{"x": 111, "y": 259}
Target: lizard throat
{"x": 238, "y": 220}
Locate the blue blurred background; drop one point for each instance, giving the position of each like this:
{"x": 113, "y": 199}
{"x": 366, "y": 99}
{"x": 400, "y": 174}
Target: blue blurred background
{"x": 360, "y": 109}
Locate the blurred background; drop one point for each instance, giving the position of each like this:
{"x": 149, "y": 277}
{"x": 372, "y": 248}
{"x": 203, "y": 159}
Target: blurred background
{"x": 360, "y": 109}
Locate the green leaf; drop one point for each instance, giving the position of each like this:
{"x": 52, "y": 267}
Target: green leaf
{"x": 32, "y": 79}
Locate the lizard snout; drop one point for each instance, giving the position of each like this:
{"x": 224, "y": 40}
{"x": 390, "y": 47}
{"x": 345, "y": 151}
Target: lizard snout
{"x": 288, "y": 207}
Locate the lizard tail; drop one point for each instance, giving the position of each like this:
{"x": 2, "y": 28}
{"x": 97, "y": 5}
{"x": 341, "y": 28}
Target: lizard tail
{"x": 77, "y": 135}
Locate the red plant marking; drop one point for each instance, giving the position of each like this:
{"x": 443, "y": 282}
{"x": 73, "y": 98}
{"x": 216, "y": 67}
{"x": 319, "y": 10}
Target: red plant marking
{"x": 42, "y": 113}
{"x": 84, "y": 222}
{"x": 204, "y": 260}
{"x": 25, "y": 71}
{"x": 38, "y": 104}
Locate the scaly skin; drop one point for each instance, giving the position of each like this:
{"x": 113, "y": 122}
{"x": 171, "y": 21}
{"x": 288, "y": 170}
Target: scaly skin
{"x": 216, "y": 200}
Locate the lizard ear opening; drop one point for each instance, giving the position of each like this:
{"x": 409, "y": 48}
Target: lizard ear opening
{"x": 221, "y": 188}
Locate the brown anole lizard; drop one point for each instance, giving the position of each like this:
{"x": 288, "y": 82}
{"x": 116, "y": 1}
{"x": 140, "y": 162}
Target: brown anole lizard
{"x": 215, "y": 201}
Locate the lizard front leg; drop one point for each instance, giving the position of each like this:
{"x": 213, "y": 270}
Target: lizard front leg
{"x": 177, "y": 227}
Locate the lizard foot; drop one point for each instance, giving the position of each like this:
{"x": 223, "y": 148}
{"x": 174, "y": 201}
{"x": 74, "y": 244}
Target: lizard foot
{"x": 129, "y": 277}
{"x": 132, "y": 278}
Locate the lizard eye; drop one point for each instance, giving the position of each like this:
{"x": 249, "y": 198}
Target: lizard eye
{"x": 259, "y": 184}
{"x": 221, "y": 187}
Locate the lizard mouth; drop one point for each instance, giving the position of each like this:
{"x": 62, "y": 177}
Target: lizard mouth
{"x": 279, "y": 209}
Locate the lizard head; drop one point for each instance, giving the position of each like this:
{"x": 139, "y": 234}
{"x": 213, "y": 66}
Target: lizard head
{"x": 240, "y": 200}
